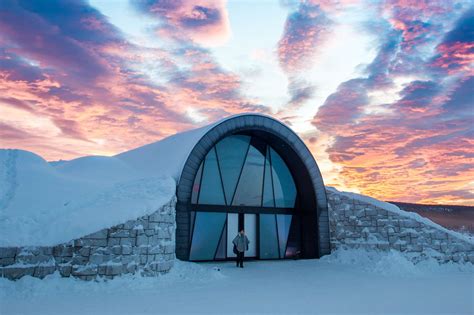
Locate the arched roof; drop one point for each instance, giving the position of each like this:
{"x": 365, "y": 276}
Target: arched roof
{"x": 205, "y": 138}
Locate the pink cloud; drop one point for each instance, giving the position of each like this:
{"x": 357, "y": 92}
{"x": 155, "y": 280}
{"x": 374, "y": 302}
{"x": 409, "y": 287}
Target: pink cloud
{"x": 203, "y": 21}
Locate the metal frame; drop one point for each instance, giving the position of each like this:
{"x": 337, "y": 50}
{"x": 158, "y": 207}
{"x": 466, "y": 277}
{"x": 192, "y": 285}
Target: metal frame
{"x": 308, "y": 180}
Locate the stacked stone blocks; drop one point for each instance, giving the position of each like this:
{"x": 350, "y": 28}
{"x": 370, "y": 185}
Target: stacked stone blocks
{"x": 358, "y": 224}
{"x": 145, "y": 245}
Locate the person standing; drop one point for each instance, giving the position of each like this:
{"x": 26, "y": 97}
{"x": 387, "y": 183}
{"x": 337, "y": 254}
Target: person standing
{"x": 241, "y": 244}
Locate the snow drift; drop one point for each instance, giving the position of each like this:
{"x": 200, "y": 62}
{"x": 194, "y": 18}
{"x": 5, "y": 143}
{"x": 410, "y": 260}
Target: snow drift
{"x": 46, "y": 205}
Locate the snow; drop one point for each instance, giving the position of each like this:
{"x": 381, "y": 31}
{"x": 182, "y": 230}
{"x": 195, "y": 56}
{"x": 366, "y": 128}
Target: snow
{"x": 346, "y": 282}
{"x": 45, "y": 205}
{"x": 396, "y": 210}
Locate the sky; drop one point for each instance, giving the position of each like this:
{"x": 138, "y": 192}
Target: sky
{"x": 380, "y": 91}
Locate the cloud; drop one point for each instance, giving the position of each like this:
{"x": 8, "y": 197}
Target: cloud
{"x": 205, "y": 22}
{"x": 409, "y": 149}
{"x": 418, "y": 95}
{"x": 461, "y": 100}
{"x": 456, "y": 51}
{"x": 300, "y": 91}
{"x": 305, "y": 30}
{"x": 343, "y": 106}
{"x": 56, "y": 36}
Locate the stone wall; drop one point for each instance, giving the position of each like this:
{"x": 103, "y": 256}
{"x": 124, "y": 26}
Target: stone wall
{"x": 354, "y": 224}
{"x": 145, "y": 245}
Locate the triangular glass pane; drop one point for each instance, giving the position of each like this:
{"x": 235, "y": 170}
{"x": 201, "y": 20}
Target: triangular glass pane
{"x": 293, "y": 246}
{"x": 221, "y": 249}
{"x": 231, "y": 154}
{"x": 249, "y": 188}
{"x": 268, "y": 200}
{"x": 207, "y": 232}
{"x": 196, "y": 185}
{"x": 283, "y": 184}
{"x": 211, "y": 187}
{"x": 193, "y": 217}
{"x": 284, "y": 223}
{"x": 268, "y": 237}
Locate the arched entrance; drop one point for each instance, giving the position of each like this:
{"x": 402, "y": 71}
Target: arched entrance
{"x": 251, "y": 172}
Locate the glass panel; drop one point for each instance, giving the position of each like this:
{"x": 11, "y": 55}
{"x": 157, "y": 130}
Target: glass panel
{"x": 283, "y": 223}
{"x": 232, "y": 227}
{"x": 249, "y": 189}
{"x": 250, "y": 226}
{"x": 197, "y": 182}
{"x": 231, "y": 154}
{"x": 283, "y": 184}
{"x": 268, "y": 199}
{"x": 207, "y": 232}
{"x": 211, "y": 187}
{"x": 268, "y": 237}
{"x": 293, "y": 247}
{"x": 193, "y": 216}
{"x": 221, "y": 249}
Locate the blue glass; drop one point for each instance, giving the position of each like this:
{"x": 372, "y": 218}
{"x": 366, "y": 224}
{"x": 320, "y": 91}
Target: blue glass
{"x": 283, "y": 185}
{"x": 196, "y": 185}
{"x": 293, "y": 246}
{"x": 268, "y": 237}
{"x": 221, "y": 249}
{"x": 207, "y": 233}
{"x": 211, "y": 187}
{"x": 283, "y": 224}
{"x": 268, "y": 199}
{"x": 249, "y": 188}
{"x": 192, "y": 217}
{"x": 231, "y": 154}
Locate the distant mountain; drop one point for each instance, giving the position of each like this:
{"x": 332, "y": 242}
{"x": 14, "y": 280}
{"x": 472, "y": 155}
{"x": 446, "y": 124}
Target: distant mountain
{"x": 458, "y": 218}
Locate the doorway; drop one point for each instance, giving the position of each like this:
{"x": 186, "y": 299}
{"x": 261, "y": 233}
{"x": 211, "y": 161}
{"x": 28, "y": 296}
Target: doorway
{"x": 237, "y": 221}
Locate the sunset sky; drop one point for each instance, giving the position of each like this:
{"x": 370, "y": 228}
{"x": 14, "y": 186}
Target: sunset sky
{"x": 381, "y": 92}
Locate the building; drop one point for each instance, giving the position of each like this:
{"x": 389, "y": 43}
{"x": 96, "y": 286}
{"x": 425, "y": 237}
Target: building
{"x": 252, "y": 172}
{"x": 246, "y": 171}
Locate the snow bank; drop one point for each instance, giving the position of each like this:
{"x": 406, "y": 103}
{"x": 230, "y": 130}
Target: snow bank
{"x": 46, "y": 205}
{"x": 396, "y": 210}
{"x": 182, "y": 272}
{"x": 392, "y": 262}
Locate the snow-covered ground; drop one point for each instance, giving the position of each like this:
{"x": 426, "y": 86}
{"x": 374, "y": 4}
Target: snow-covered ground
{"x": 346, "y": 282}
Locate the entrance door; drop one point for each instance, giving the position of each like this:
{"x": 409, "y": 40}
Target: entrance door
{"x": 249, "y": 222}
{"x": 250, "y": 227}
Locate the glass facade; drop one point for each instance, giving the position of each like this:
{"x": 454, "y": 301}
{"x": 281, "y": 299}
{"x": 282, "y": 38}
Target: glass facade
{"x": 242, "y": 173}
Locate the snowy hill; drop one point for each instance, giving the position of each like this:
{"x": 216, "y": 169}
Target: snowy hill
{"x": 41, "y": 204}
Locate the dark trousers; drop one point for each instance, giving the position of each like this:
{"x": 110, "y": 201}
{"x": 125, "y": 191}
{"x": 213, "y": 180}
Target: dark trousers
{"x": 240, "y": 259}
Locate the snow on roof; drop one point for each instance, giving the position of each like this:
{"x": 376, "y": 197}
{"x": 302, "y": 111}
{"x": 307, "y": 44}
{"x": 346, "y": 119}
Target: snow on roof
{"x": 45, "y": 203}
